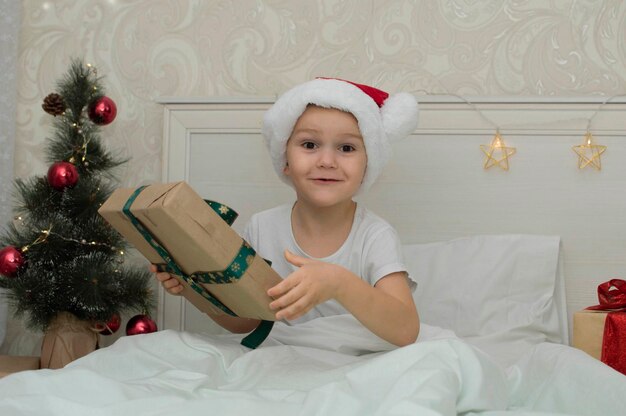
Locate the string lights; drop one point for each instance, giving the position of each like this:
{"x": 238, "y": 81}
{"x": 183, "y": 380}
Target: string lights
{"x": 100, "y": 111}
{"x": 44, "y": 234}
{"x": 497, "y": 153}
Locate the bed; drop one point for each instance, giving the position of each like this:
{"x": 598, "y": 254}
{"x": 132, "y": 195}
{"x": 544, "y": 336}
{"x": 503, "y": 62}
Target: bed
{"x": 502, "y": 260}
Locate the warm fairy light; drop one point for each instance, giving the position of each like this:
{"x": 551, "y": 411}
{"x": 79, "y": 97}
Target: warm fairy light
{"x": 92, "y": 69}
{"x": 497, "y": 153}
{"x": 120, "y": 259}
{"x": 589, "y": 153}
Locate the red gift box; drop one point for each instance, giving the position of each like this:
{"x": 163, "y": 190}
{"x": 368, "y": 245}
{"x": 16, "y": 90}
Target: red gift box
{"x": 607, "y": 319}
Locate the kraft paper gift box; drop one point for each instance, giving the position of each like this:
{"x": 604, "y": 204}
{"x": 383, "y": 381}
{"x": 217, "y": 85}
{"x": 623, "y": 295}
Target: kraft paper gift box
{"x": 10, "y": 364}
{"x": 602, "y": 334}
{"x": 588, "y": 331}
{"x": 67, "y": 338}
{"x": 200, "y": 242}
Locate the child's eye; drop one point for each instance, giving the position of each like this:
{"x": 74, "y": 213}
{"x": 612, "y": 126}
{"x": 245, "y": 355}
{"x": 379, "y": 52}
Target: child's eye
{"x": 308, "y": 145}
{"x": 347, "y": 148}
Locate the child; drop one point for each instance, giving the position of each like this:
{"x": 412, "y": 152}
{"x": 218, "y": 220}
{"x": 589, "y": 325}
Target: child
{"x": 329, "y": 139}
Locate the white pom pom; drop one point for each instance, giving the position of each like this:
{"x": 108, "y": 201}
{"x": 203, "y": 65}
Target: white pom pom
{"x": 399, "y": 115}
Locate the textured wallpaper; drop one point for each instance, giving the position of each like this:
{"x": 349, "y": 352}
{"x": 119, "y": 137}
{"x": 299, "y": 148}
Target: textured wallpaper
{"x": 152, "y": 48}
{"x": 9, "y": 30}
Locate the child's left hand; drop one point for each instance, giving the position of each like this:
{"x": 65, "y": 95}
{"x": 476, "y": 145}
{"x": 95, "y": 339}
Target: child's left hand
{"x": 313, "y": 283}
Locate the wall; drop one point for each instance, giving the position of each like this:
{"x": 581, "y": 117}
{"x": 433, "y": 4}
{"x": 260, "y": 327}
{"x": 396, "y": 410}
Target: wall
{"x": 149, "y": 49}
{"x": 9, "y": 31}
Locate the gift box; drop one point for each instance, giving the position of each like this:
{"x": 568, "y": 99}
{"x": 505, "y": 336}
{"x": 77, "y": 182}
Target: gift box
{"x": 67, "y": 338}
{"x": 171, "y": 225}
{"x": 600, "y": 330}
{"x": 10, "y": 364}
{"x": 588, "y": 331}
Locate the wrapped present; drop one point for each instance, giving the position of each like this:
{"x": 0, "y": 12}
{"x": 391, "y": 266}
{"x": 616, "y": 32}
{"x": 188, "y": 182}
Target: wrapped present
{"x": 600, "y": 330}
{"x": 10, "y": 364}
{"x": 588, "y": 331}
{"x": 67, "y": 338}
{"x": 172, "y": 226}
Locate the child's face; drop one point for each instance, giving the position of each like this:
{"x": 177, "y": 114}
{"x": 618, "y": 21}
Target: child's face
{"x": 326, "y": 156}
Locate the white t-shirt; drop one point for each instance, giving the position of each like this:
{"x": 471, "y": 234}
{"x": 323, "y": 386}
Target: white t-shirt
{"x": 371, "y": 251}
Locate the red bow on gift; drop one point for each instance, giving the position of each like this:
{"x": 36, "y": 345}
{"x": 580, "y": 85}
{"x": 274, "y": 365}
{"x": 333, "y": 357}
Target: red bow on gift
{"x": 612, "y": 297}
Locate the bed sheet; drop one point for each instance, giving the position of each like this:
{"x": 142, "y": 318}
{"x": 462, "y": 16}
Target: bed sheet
{"x": 333, "y": 366}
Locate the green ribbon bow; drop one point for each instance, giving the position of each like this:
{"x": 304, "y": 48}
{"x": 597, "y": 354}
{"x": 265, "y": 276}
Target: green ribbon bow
{"x": 234, "y": 271}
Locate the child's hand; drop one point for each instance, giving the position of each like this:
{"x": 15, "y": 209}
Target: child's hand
{"x": 313, "y": 283}
{"x": 169, "y": 283}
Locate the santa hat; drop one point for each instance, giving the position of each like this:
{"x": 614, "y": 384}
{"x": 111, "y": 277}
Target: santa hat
{"x": 382, "y": 119}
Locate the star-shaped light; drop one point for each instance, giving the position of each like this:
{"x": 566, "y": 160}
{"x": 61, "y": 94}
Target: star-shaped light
{"x": 497, "y": 153}
{"x": 593, "y": 150}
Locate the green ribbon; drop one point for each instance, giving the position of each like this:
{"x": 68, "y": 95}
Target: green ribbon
{"x": 234, "y": 271}
{"x": 226, "y": 213}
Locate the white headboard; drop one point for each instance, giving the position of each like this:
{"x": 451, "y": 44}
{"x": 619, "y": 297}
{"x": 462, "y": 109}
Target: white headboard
{"x": 435, "y": 187}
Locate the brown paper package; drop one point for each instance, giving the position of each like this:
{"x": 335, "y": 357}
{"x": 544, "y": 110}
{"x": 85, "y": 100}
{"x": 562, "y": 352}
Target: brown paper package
{"x": 589, "y": 331}
{"x": 67, "y": 338}
{"x": 198, "y": 240}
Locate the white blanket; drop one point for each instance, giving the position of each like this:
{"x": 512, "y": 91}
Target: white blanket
{"x": 326, "y": 367}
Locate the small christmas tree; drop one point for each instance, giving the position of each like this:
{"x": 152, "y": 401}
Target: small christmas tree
{"x": 59, "y": 255}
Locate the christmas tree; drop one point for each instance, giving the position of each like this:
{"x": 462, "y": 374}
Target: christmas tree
{"x": 59, "y": 255}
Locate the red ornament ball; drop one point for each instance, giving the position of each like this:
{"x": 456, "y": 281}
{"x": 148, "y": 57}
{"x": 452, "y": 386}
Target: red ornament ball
{"x": 111, "y": 326}
{"x": 140, "y": 324}
{"x": 102, "y": 111}
{"x": 11, "y": 260}
{"x": 62, "y": 175}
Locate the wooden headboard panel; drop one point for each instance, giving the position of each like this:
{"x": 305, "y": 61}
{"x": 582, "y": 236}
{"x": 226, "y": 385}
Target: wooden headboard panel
{"x": 435, "y": 187}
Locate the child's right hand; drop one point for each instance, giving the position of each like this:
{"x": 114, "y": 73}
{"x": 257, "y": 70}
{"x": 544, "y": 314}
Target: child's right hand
{"x": 169, "y": 283}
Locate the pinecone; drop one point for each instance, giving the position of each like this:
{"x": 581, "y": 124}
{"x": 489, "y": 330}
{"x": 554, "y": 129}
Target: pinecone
{"x": 53, "y": 104}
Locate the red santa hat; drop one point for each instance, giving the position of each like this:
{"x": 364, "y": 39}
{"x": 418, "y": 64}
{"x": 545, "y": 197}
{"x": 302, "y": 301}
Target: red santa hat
{"x": 382, "y": 119}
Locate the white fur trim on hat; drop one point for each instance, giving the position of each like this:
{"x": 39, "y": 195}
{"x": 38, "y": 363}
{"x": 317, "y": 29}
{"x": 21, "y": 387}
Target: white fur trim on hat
{"x": 396, "y": 119}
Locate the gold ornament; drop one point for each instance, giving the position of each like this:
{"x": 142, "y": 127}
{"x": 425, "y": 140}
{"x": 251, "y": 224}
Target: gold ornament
{"x": 594, "y": 150}
{"x": 497, "y": 153}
